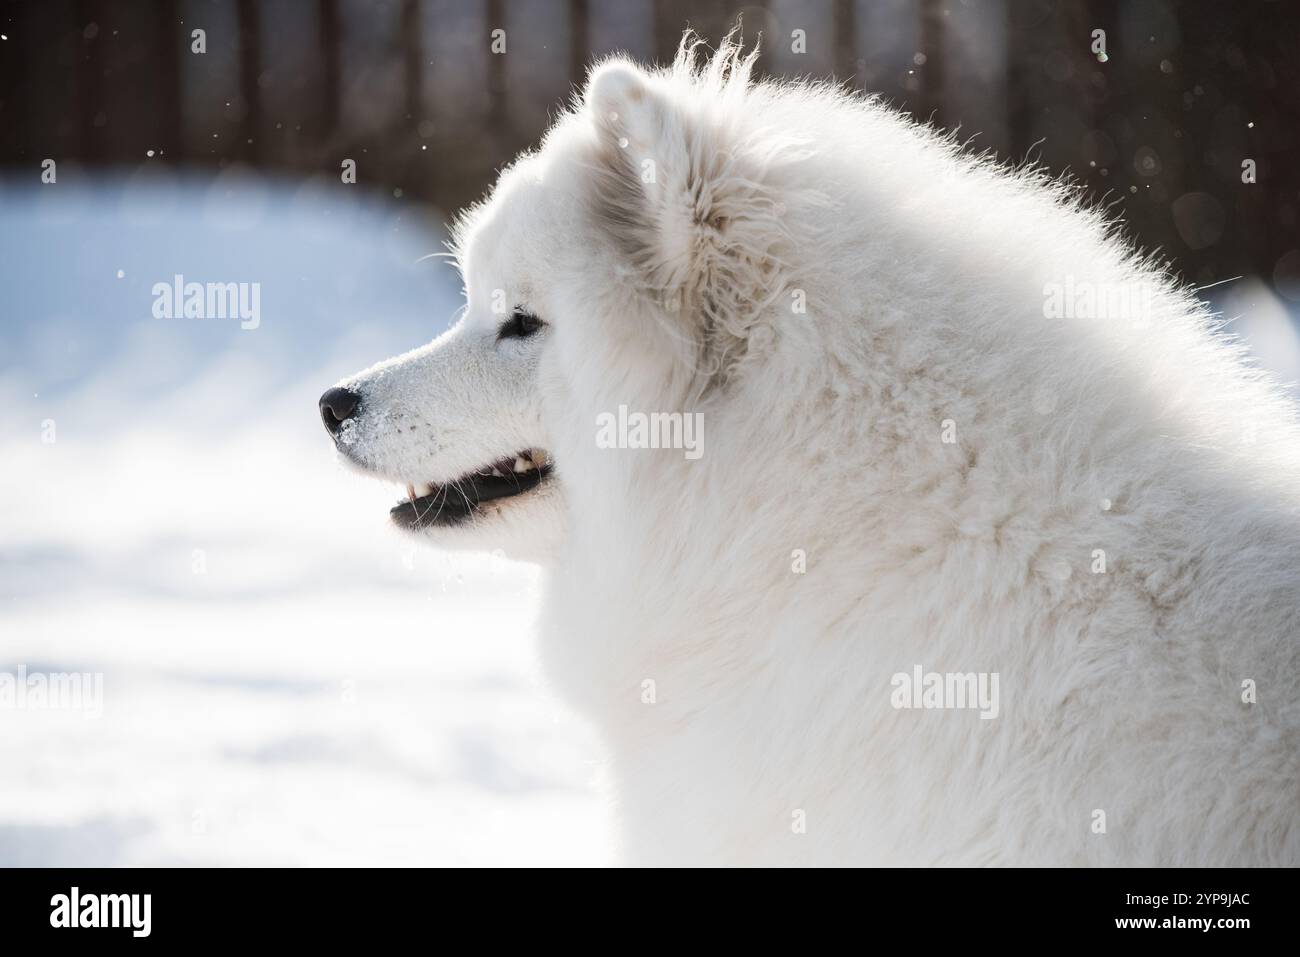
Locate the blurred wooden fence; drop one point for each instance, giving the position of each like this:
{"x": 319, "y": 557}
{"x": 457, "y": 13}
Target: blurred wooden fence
{"x": 412, "y": 91}
{"x": 409, "y": 86}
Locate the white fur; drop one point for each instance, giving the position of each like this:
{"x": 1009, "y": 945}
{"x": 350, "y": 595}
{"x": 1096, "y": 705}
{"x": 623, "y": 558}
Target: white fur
{"x": 924, "y": 272}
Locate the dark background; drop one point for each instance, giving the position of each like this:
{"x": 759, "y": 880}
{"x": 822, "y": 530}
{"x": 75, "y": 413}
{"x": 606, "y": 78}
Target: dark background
{"x": 409, "y": 89}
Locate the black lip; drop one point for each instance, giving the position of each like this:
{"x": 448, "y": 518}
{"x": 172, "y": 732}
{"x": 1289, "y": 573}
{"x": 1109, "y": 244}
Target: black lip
{"x": 455, "y": 502}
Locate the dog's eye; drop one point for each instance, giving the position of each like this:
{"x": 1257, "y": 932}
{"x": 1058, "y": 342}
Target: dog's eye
{"x": 520, "y": 325}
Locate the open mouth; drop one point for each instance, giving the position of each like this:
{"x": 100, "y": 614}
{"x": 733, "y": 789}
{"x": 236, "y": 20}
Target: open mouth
{"x": 429, "y": 505}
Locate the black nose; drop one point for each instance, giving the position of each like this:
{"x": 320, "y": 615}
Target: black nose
{"x": 336, "y": 407}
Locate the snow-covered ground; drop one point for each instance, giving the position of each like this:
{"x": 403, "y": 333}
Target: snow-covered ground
{"x": 285, "y": 680}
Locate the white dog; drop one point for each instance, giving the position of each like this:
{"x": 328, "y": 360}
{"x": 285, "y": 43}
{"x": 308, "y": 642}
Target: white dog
{"x": 979, "y": 545}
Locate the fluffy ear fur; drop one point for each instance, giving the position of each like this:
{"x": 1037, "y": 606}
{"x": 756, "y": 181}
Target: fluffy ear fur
{"x": 693, "y": 200}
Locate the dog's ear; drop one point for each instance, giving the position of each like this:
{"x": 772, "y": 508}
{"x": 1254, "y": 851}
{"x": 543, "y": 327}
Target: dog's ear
{"x": 692, "y": 202}
{"x": 646, "y": 174}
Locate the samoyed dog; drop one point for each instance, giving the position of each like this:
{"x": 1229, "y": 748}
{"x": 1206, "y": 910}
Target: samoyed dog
{"x": 894, "y": 510}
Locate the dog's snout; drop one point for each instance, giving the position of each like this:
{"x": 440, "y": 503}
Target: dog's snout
{"x": 337, "y": 406}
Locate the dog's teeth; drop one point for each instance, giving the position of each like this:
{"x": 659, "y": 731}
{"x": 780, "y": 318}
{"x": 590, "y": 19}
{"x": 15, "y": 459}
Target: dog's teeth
{"x": 522, "y": 464}
{"x": 424, "y": 489}
{"x": 497, "y": 472}
{"x": 410, "y": 490}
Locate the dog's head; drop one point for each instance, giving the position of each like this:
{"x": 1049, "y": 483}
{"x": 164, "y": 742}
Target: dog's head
{"x": 629, "y": 262}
